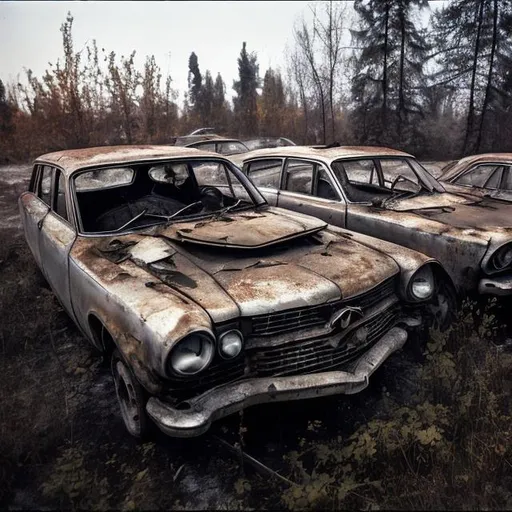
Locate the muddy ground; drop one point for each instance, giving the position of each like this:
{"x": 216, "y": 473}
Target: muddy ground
{"x": 62, "y": 441}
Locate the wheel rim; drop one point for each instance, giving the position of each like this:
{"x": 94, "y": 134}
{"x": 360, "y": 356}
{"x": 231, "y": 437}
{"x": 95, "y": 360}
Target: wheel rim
{"x": 127, "y": 397}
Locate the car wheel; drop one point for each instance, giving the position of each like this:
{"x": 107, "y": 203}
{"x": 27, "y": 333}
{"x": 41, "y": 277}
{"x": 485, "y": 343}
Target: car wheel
{"x": 131, "y": 396}
{"x": 443, "y": 307}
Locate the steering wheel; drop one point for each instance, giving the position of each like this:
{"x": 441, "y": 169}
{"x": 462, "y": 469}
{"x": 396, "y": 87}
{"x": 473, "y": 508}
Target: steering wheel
{"x": 211, "y": 197}
{"x": 396, "y": 180}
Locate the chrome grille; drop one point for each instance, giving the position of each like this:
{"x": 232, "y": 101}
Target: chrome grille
{"x": 311, "y": 316}
{"x": 220, "y": 372}
{"x": 316, "y": 355}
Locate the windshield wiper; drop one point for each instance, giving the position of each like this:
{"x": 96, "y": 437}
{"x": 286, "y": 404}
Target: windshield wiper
{"x": 170, "y": 217}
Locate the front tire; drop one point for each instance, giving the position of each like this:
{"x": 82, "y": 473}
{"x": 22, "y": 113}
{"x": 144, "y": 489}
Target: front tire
{"x": 131, "y": 396}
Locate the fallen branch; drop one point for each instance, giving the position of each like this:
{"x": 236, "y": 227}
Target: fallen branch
{"x": 258, "y": 466}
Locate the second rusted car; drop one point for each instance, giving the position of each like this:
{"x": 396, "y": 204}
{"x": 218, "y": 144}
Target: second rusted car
{"x": 386, "y": 193}
{"x": 207, "y": 298}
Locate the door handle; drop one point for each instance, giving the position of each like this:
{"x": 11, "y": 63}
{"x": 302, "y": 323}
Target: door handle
{"x": 40, "y": 223}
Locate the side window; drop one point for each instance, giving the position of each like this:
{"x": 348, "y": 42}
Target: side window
{"x": 299, "y": 176}
{"x": 45, "y": 184}
{"x": 361, "y": 172}
{"x": 265, "y": 173}
{"x": 477, "y": 177}
{"x": 33, "y": 179}
{"x": 507, "y": 184}
{"x": 60, "y": 205}
{"x": 206, "y": 147}
{"x": 324, "y": 187}
{"x": 494, "y": 181}
{"x": 397, "y": 169}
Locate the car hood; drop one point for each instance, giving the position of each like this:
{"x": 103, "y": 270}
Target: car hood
{"x": 244, "y": 230}
{"x": 502, "y": 195}
{"x": 230, "y": 280}
{"x": 458, "y": 209}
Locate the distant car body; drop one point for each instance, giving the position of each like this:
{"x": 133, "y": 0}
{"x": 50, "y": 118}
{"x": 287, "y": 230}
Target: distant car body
{"x": 207, "y": 298}
{"x": 267, "y": 142}
{"x": 489, "y": 175}
{"x": 220, "y": 145}
{"x": 386, "y": 193}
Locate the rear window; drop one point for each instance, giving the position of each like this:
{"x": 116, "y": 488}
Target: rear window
{"x": 104, "y": 178}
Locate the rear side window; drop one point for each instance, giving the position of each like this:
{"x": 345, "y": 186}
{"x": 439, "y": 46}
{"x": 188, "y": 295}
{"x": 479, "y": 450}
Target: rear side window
{"x": 45, "y": 184}
{"x": 265, "y": 173}
{"x": 60, "y": 205}
{"x": 507, "y": 185}
{"x": 477, "y": 177}
{"x": 104, "y": 178}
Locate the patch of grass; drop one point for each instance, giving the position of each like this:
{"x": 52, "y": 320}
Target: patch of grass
{"x": 449, "y": 448}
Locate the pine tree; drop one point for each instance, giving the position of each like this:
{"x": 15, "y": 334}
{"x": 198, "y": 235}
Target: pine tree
{"x": 195, "y": 82}
{"x": 475, "y": 56}
{"x": 245, "y": 103}
{"x": 388, "y": 69}
{"x": 272, "y": 104}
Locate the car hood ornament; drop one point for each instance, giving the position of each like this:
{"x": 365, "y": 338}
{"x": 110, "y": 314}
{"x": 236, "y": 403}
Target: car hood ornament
{"x": 346, "y": 316}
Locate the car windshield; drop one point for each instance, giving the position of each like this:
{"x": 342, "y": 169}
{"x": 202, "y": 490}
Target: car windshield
{"x": 137, "y": 195}
{"x": 374, "y": 179}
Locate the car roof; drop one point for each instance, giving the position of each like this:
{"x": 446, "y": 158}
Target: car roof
{"x": 474, "y": 159}
{"x": 71, "y": 160}
{"x": 210, "y": 141}
{"x": 327, "y": 155}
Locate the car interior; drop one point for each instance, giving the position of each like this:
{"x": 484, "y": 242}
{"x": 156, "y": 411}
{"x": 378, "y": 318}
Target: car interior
{"x": 113, "y": 199}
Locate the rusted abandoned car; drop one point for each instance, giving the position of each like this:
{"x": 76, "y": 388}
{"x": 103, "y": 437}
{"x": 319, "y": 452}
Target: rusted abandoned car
{"x": 207, "y": 298}
{"x": 489, "y": 175}
{"x": 386, "y": 193}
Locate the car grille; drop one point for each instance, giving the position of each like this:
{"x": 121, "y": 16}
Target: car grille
{"x": 316, "y": 355}
{"x": 220, "y": 372}
{"x": 301, "y": 357}
{"x": 301, "y": 318}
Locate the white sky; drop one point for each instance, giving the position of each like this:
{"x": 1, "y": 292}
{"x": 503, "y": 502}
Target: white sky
{"x": 30, "y": 34}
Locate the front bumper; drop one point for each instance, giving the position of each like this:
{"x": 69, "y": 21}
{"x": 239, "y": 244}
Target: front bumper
{"x": 196, "y": 417}
{"x": 499, "y": 285}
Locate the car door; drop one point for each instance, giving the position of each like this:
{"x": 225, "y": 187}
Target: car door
{"x": 266, "y": 175}
{"x": 56, "y": 239}
{"x": 34, "y": 206}
{"x": 308, "y": 187}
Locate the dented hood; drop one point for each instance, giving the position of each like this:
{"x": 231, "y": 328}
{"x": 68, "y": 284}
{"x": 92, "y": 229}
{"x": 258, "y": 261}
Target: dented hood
{"x": 244, "y": 230}
{"x": 232, "y": 281}
{"x": 460, "y": 210}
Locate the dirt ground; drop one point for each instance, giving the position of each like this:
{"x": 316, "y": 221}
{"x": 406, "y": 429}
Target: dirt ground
{"x": 62, "y": 441}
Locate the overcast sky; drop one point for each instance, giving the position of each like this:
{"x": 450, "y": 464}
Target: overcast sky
{"x": 30, "y": 33}
{"x": 215, "y": 30}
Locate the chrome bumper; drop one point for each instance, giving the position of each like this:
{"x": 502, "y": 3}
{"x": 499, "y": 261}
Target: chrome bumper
{"x": 196, "y": 417}
{"x": 499, "y": 285}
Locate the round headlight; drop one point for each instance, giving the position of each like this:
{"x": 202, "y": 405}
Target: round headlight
{"x": 422, "y": 284}
{"x": 191, "y": 355}
{"x": 502, "y": 258}
{"x": 230, "y": 344}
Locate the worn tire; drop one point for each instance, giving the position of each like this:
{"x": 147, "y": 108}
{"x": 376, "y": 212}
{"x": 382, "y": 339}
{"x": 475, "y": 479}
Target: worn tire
{"x": 131, "y": 396}
{"x": 444, "y": 307}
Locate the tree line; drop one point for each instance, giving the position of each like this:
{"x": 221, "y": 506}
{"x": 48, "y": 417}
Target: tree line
{"x": 371, "y": 74}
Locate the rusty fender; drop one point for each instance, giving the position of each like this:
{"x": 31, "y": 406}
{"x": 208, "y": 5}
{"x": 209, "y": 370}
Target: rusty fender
{"x": 194, "y": 417}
